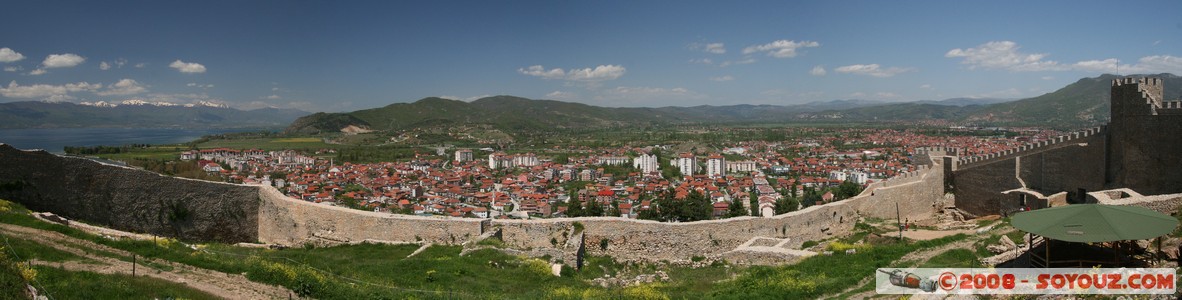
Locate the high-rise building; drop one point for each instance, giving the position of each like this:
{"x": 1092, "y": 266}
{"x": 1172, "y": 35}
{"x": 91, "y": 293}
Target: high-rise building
{"x": 463, "y": 155}
{"x": 647, "y": 163}
{"x": 687, "y": 163}
{"x": 715, "y": 166}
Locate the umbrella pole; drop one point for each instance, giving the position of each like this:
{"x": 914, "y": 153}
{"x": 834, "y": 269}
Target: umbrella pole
{"x": 1047, "y": 260}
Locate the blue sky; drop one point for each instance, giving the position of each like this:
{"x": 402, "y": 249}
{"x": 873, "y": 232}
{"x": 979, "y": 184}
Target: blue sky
{"x": 346, "y": 55}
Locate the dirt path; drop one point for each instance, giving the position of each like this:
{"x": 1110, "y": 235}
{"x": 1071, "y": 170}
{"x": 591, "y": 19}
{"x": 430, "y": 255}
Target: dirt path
{"x": 228, "y": 286}
{"x": 923, "y": 235}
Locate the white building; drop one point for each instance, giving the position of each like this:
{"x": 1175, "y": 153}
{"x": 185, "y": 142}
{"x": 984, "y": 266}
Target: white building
{"x": 715, "y": 166}
{"x": 859, "y": 177}
{"x": 687, "y": 163}
{"x": 613, "y": 160}
{"x": 525, "y": 160}
{"x": 744, "y": 166}
{"x": 838, "y": 175}
{"x": 463, "y": 155}
{"x": 647, "y": 163}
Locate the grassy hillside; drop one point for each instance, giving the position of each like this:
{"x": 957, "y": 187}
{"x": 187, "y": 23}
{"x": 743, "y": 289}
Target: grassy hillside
{"x": 1083, "y": 103}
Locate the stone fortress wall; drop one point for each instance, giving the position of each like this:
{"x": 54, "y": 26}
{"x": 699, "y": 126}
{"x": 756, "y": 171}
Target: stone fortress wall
{"x": 129, "y": 199}
{"x": 1139, "y": 149}
{"x": 1079, "y": 163}
{"x": 137, "y": 200}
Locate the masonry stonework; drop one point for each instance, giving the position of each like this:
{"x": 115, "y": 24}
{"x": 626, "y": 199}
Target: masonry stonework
{"x": 129, "y": 199}
{"x": 241, "y": 213}
{"x": 1140, "y": 149}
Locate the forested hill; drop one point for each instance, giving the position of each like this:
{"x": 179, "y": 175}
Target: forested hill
{"x": 1083, "y": 103}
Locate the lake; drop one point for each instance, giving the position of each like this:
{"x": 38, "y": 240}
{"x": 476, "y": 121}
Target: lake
{"x": 56, "y": 139}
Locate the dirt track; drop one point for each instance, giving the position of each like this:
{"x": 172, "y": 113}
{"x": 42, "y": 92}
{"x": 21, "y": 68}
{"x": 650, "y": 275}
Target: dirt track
{"x": 228, "y": 286}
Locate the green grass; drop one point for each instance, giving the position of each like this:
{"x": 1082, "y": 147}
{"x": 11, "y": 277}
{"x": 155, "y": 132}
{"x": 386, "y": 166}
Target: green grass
{"x": 25, "y": 250}
{"x": 955, "y": 258}
{"x": 63, "y": 284}
{"x": 816, "y": 276}
{"x": 369, "y": 271}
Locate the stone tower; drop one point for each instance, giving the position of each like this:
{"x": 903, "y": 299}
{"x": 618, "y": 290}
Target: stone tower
{"x": 1145, "y": 138}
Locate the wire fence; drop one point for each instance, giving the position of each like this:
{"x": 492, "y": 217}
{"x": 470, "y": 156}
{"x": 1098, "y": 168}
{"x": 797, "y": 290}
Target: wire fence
{"x": 40, "y": 287}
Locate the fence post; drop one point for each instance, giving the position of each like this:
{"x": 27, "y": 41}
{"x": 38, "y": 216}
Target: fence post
{"x": 133, "y": 265}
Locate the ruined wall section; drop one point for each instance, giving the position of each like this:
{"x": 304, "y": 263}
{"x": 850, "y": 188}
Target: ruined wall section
{"x": 129, "y": 199}
{"x": 628, "y": 239}
{"x": 918, "y": 195}
{"x": 643, "y": 240}
{"x": 287, "y": 221}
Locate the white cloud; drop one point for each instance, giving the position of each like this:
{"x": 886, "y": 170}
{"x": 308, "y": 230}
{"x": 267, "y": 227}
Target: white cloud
{"x": 8, "y": 55}
{"x": 872, "y": 70}
{"x": 1148, "y": 64}
{"x": 118, "y": 63}
{"x": 599, "y": 73}
{"x": 14, "y": 90}
{"x": 560, "y": 95}
{"x": 1002, "y": 55}
{"x": 141, "y": 65}
{"x": 38, "y": 72}
{"x": 62, "y": 60}
{"x": 781, "y": 48}
{"x": 886, "y": 95}
{"x": 818, "y": 71}
{"x": 722, "y": 78}
{"x": 1154, "y": 43}
{"x": 744, "y": 61}
{"x": 273, "y": 97}
{"x": 539, "y": 71}
{"x": 275, "y": 89}
{"x": 185, "y": 67}
{"x": 123, "y": 87}
{"x": 198, "y": 85}
{"x": 13, "y": 69}
{"x": 716, "y": 48}
{"x": 704, "y": 61}
{"x": 926, "y": 87}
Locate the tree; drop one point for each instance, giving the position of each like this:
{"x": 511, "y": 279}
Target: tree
{"x": 848, "y": 189}
{"x": 811, "y": 197}
{"x": 615, "y": 210}
{"x": 697, "y": 207}
{"x": 735, "y": 209}
{"x": 594, "y": 209}
{"x": 574, "y": 207}
{"x": 786, "y": 205}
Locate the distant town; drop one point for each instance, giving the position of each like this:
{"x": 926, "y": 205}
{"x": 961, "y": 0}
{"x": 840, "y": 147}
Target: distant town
{"x": 762, "y": 178}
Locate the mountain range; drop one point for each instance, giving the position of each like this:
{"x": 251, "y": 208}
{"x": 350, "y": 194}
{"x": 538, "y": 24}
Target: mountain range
{"x": 33, "y": 114}
{"x": 1083, "y": 103}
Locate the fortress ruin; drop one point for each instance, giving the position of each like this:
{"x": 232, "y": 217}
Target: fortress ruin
{"x": 1113, "y": 164}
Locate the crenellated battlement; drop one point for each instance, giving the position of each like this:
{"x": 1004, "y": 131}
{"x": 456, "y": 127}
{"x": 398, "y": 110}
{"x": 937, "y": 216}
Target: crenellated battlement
{"x": 977, "y": 160}
{"x": 1136, "y": 97}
